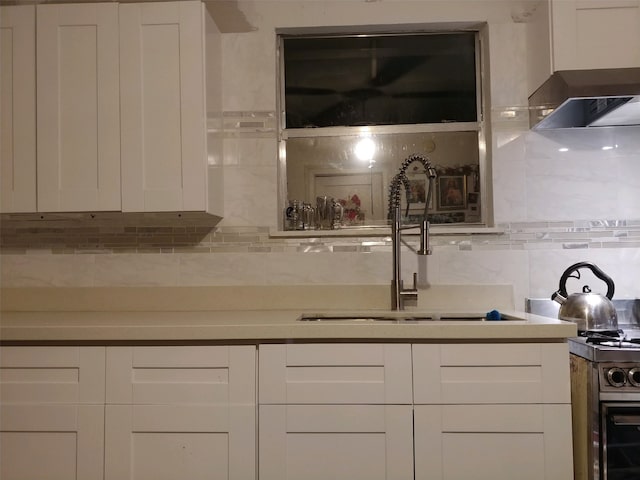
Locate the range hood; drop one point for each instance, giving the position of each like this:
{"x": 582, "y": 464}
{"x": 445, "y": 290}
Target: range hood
{"x": 587, "y": 98}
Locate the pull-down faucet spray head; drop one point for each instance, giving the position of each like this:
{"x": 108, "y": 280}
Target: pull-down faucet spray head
{"x": 401, "y": 179}
{"x": 398, "y": 293}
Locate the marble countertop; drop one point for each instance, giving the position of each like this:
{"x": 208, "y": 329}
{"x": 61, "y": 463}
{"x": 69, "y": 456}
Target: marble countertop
{"x": 122, "y": 315}
{"x": 260, "y": 326}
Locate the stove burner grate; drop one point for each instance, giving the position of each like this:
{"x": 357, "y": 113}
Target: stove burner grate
{"x": 609, "y": 338}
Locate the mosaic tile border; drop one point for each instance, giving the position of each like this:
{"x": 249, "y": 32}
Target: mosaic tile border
{"x": 173, "y": 233}
{"x": 249, "y": 124}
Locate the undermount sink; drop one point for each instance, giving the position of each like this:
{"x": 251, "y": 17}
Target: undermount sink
{"x": 392, "y": 318}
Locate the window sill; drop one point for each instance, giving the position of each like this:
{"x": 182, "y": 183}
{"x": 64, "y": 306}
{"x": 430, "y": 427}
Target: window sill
{"x": 386, "y": 231}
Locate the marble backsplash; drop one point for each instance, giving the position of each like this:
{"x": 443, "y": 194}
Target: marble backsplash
{"x": 559, "y": 198}
{"x": 530, "y": 256}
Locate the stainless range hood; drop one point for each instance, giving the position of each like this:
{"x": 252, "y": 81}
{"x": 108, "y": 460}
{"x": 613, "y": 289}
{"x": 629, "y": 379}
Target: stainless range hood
{"x": 587, "y": 98}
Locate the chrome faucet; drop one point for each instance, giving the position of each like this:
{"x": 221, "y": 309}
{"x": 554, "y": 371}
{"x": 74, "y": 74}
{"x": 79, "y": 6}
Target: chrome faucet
{"x": 399, "y": 294}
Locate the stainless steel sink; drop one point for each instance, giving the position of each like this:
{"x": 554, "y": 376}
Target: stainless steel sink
{"x": 391, "y": 318}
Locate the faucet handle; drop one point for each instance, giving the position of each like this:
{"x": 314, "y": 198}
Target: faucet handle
{"x": 408, "y": 294}
{"x": 413, "y": 289}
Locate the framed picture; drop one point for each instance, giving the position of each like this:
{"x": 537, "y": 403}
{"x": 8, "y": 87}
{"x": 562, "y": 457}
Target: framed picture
{"x": 367, "y": 188}
{"x": 418, "y": 185}
{"x": 452, "y": 192}
{"x": 417, "y": 190}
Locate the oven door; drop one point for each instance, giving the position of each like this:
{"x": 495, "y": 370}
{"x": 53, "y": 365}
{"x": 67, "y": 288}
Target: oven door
{"x": 620, "y": 441}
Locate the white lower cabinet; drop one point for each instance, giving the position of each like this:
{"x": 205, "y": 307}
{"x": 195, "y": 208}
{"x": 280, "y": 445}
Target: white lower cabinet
{"x": 355, "y": 442}
{"x": 339, "y": 411}
{"x": 490, "y": 442}
{"x": 51, "y": 413}
{"x": 180, "y": 412}
{"x": 340, "y": 373}
{"x": 492, "y": 411}
{"x": 423, "y": 411}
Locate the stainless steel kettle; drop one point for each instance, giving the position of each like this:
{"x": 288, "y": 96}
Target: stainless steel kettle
{"x": 591, "y": 311}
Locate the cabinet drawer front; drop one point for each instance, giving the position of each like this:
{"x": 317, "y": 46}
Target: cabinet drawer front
{"x": 335, "y": 374}
{"x": 51, "y": 441}
{"x": 61, "y": 375}
{"x": 180, "y": 441}
{"x": 491, "y": 373}
{"x": 315, "y": 442}
{"x": 208, "y": 375}
{"x": 528, "y": 442}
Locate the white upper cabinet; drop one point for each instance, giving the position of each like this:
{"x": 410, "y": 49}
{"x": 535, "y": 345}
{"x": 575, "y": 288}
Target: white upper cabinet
{"x": 18, "y": 112}
{"x": 163, "y": 106}
{"x": 581, "y": 35}
{"x": 78, "y": 114}
{"x": 121, "y": 93}
{"x": 595, "y": 34}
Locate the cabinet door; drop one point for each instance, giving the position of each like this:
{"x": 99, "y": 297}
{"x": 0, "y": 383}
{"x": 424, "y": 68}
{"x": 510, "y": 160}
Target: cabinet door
{"x": 78, "y": 107}
{"x": 163, "y": 106}
{"x": 180, "y": 412}
{"x": 51, "y": 442}
{"x": 18, "y": 113}
{"x": 491, "y": 373}
{"x": 341, "y": 442}
{"x": 595, "y": 34}
{"x": 52, "y": 413}
{"x": 335, "y": 374}
{"x": 493, "y": 442}
{"x": 52, "y": 375}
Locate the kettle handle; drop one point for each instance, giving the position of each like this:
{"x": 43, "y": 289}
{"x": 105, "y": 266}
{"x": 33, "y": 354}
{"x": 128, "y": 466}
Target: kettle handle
{"x": 596, "y": 271}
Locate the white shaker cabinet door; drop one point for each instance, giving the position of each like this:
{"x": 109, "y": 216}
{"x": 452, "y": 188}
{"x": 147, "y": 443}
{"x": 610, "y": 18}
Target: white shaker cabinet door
{"x": 341, "y": 373}
{"x": 493, "y": 442}
{"x": 52, "y": 375}
{"x": 340, "y": 442}
{"x": 180, "y": 412}
{"x": 491, "y": 373}
{"x": 163, "y": 107}
{"x": 52, "y": 442}
{"x": 78, "y": 107}
{"x": 18, "y": 109}
{"x": 591, "y": 34}
{"x": 52, "y": 413}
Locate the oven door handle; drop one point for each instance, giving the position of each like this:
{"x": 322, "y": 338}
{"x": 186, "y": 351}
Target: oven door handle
{"x": 626, "y": 420}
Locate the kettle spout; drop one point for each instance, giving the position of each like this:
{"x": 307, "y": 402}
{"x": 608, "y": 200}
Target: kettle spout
{"x": 557, "y": 297}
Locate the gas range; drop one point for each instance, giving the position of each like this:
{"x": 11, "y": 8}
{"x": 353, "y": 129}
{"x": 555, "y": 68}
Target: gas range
{"x": 605, "y": 394}
{"x": 598, "y": 345}
{"x": 615, "y": 361}
{"x": 614, "y": 355}
{"x": 610, "y": 346}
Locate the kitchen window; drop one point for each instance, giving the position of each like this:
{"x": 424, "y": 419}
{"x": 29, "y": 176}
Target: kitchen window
{"x": 354, "y": 106}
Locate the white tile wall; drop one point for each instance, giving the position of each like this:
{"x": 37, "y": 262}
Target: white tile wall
{"x": 532, "y": 182}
